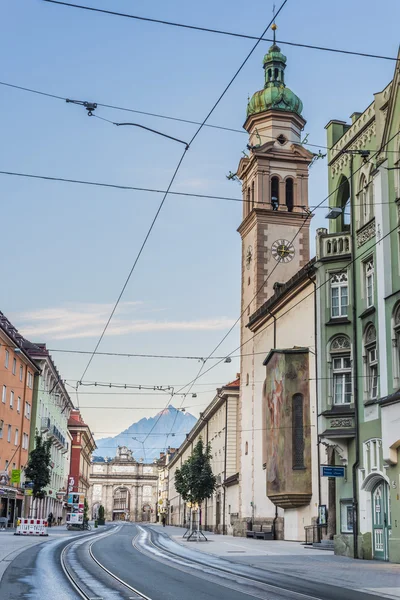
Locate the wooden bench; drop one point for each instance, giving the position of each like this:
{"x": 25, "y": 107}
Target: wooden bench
{"x": 265, "y": 533}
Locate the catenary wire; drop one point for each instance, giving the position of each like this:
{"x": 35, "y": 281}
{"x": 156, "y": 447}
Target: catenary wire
{"x": 151, "y": 190}
{"x": 297, "y": 233}
{"x": 220, "y": 32}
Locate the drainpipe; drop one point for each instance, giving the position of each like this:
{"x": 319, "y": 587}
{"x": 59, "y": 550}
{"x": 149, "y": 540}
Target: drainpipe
{"x": 226, "y": 441}
{"x": 274, "y": 318}
{"x": 316, "y": 394}
{"x": 355, "y": 366}
{"x": 206, "y": 508}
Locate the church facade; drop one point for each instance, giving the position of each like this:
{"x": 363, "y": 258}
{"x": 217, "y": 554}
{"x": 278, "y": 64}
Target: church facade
{"x": 277, "y": 407}
{"x": 126, "y": 488}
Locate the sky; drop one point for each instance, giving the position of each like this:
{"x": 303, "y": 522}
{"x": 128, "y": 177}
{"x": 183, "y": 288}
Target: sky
{"x": 67, "y": 249}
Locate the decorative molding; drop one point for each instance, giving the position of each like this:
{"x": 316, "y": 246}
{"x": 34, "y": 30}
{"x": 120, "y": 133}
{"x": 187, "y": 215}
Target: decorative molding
{"x": 341, "y": 422}
{"x": 366, "y": 233}
{"x": 341, "y": 342}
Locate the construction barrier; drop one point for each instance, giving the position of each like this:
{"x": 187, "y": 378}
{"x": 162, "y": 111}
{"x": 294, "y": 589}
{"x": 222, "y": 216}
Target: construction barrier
{"x": 31, "y": 527}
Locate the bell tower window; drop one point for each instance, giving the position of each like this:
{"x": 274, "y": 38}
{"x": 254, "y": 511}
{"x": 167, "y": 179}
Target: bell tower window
{"x": 275, "y": 193}
{"x": 276, "y": 74}
{"x": 289, "y": 194}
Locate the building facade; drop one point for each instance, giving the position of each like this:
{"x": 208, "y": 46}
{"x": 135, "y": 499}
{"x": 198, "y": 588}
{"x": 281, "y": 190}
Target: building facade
{"x": 51, "y": 410}
{"x": 218, "y": 426}
{"x": 82, "y": 446}
{"x": 163, "y": 486}
{"x": 358, "y": 317}
{"x": 127, "y": 489}
{"x": 17, "y": 376}
{"x": 277, "y": 406}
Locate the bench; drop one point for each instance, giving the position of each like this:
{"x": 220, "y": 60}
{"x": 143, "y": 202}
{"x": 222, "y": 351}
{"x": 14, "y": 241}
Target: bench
{"x": 265, "y": 533}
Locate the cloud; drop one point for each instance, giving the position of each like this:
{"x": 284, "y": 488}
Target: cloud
{"x": 88, "y": 320}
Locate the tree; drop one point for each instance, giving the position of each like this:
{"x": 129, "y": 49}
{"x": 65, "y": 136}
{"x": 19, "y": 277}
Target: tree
{"x": 85, "y": 510}
{"x": 100, "y": 516}
{"x": 38, "y": 468}
{"x": 195, "y": 481}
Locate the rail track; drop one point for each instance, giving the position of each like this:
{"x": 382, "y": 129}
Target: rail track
{"x": 86, "y": 582}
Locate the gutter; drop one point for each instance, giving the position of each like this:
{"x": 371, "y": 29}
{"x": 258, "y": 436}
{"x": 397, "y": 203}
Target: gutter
{"x": 355, "y": 367}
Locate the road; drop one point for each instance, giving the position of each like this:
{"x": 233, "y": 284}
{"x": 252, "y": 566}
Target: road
{"x": 131, "y": 562}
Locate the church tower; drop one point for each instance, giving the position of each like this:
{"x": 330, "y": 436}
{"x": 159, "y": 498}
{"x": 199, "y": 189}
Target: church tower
{"x": 275, "y": 246}
{"x": 275, "y": 226}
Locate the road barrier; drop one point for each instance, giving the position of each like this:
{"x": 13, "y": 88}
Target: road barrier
{"x": 31, "y": 527}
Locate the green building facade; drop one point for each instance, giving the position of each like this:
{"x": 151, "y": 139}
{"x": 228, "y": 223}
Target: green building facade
{"x": 358, "y": 320}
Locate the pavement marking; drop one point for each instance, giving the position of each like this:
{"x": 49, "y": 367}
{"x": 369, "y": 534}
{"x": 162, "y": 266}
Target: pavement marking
{"x": 250, "y": 551}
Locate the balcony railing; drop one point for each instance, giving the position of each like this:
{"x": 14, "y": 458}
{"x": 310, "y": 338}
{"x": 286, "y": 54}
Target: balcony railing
{"x": 332, "y": 245}
{"x": 57, "y": 436}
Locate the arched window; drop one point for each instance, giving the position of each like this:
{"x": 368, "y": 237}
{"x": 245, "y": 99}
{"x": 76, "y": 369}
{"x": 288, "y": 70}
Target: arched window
{"x": 246, "y": 448}
{"x": 248, "y": 200}
{"x": 362, "y": 201}
{"x": 247, "y": 379}
{"x": 276, "y": 74}
{"x": 343, "y": 202}
{"x": 340, "y": 356}
{"x": 275, "y": 193}
{"x": 396, "y": 344}
{"x": 371, "y": 363}
{"x": 289, "y": 194}
{"x": 297, "y": 431}
{"x": 269, "y": 74}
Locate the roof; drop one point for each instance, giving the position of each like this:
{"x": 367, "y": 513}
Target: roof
{"x": 294, "y": 350}
{"x": 265, "y": 309}
{"x": 234, "y": 384}
{"x": 75, "y": 420}
{"x": 12, "y": 333}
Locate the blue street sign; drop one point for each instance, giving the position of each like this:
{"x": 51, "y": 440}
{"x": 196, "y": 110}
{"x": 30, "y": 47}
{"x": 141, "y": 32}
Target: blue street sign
{"x": 327, "y": 471}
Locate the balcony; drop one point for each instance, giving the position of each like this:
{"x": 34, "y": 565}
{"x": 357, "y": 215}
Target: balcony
{"x": 45, "y": 424}
{"x": 331, "y": 246}
{"x": 57, "y": 437}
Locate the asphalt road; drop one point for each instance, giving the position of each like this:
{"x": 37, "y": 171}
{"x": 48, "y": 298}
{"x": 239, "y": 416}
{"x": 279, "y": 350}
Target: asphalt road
{"x": 158, "y": 568}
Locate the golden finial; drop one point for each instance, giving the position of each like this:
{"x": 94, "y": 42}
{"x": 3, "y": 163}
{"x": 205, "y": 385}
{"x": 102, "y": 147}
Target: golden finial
{"x": 274, "y": 27}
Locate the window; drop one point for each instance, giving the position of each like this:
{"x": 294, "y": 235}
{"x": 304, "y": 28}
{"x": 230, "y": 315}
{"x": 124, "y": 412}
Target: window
{"x": 16, "y": 437}
{"x": 1, "y": 428}
{"x": 341, "y": 370}
{"x": 4, "y": 396}
{"x": 371, "y": 363}
{"x": 30, "y": 380}
{"x": 6, "y": 465}
{"x": 342, "y": 380}
{"x": 25, "y": 441}
{"x": 19, "y": 404}
{"x": 369, "y": 282}
{"x": 297, "y": 432}
{"x": 21, "y": 372}
{"x": 289, "y": 194}
{"x": 346, "y": 516}
{"x": 339, "y": 295}
{"x": 362, "y": 200}
{"x": 247, "y": 379}
{"x": 396, "y": 344}
{"x": 27, "y": 410}
{"x": 9, "y": 434}
{"x": 275, "y": 193}
{"x": 252, "y": 195}
{"x": 14, "y": 367}
{"x": 246, "y": 448}
{"x": 7, "y": 359}
{"x": 11, "y": 399}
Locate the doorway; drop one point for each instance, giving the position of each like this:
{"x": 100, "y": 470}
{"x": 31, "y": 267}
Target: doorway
{"x": 380, "y": 521}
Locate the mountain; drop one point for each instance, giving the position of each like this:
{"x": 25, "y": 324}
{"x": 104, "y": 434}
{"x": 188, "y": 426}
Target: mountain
{"x": 169, "y": 419}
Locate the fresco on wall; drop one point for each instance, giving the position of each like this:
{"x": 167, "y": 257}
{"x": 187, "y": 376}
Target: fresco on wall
{"x": 287, "y": 374}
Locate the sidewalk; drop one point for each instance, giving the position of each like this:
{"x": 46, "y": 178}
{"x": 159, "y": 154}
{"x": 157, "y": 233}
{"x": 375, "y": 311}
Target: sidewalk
{"x": 11, "y": 545}
{"x": 293, "y": 558}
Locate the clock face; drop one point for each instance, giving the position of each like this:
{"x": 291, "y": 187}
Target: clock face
{"x": 249, "y": 256}
{"x": 283, "y": 251}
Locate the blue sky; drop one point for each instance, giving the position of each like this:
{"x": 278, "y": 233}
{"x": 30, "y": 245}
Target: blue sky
{"x": 68, "y": 248}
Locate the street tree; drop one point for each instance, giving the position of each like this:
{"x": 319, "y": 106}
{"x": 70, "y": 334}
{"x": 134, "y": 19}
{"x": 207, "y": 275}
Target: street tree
{"x": 195, "y": 481}
{"x": 38, "y": 468}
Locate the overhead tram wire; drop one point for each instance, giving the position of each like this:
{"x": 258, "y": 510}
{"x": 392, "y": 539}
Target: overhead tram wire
{"x": 140, "y": 112}
{"x": 220, "y": 31}
{"x": 153, "y": 190}
{"x": 249, "y": 54}
{"x": 172, "y": 181}
{"x": 192, "y": 382}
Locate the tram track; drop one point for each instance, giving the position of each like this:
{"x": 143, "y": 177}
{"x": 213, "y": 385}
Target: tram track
{"x": 85, "y": 582}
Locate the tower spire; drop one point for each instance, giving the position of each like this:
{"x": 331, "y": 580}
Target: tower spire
{"x": 274, "y": 26}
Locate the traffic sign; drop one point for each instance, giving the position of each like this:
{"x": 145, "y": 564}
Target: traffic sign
{"x": 15, "y": 475}
{"x": 328, "y": 471}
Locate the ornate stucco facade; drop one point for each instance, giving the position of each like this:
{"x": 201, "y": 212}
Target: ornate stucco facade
{"x": 126, "y": 488}
{"x": 359, "y": 324}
